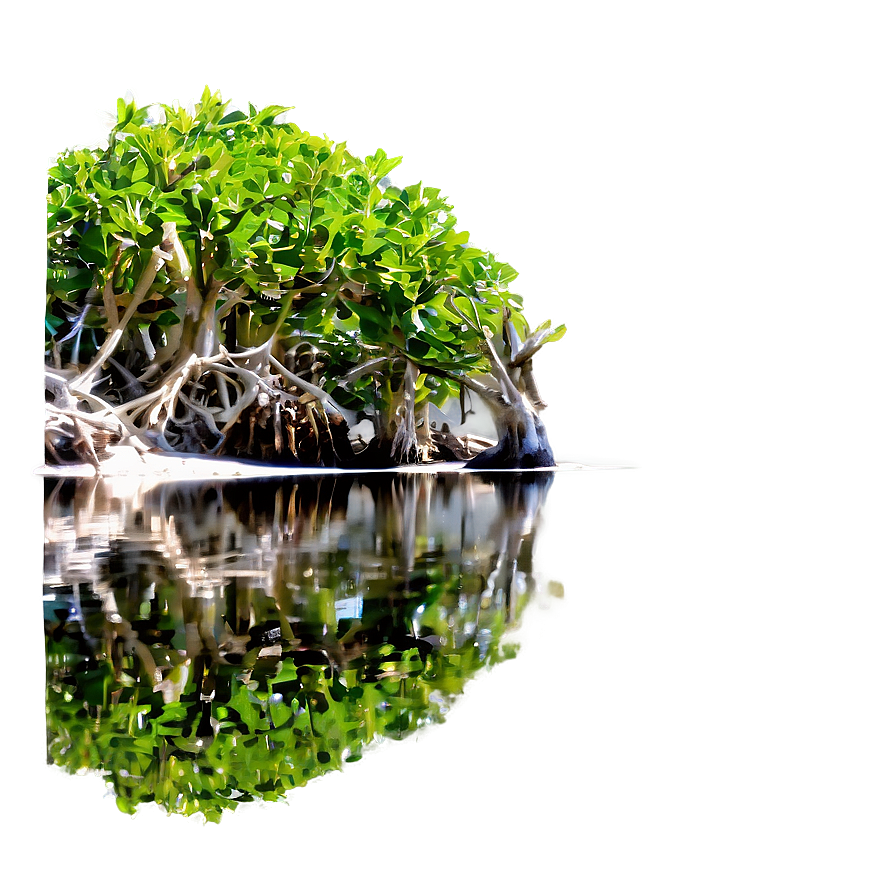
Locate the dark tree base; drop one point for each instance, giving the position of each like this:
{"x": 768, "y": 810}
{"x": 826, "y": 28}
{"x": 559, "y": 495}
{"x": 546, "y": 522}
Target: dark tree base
{"x": 520, "y": 448}
{"x": 376, "y": 455}
{"x": 507, "y": 457}
{"x": 293, "y": 441}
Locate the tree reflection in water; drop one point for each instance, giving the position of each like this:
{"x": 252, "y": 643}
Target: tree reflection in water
{"x": 212, "y": 644}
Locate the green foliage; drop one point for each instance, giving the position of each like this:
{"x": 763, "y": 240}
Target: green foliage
{"x": 200, "y": 697}
{"x": 325, "y": 247}
{"x": 274, "y": 733}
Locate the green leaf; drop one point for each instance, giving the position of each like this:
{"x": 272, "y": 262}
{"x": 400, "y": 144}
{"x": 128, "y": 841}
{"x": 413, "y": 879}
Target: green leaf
{"x": 287, "y": 671}
{"x": 370, "y": 315}
{"x": 248, "y": 710}
{"x": 232, "y": 118}
{"x": 280, "y": 712}
{"x": 78, "y": 281}
{"x": 92, "y": 246}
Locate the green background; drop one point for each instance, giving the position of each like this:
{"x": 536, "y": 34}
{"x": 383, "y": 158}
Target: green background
{"x": 704, "y": 192}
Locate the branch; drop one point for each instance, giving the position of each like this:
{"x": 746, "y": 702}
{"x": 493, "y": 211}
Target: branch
{"x": 173, "y": 177}
{"x": 147, "y": 278}
{"x": 253, "y": 384}
{"x": 530, "y": 387}
{"x": 350, "y": 416}
{"x": 109, "y": 304}
{"x": 206, "y": 415}
{"x": 501, "y": 375}
{"x": 532, "y": 345}
{"x": 486, "y": 393}
{"x": 236, "y": 297}
{"x": 449, "y": 301}
{"x": 180, "y": 269}
{"x": 59, "y": 386}
{"x": 511, "y": 337}
{"x": 361, "y": 369}
{"x": 92, "y": 419}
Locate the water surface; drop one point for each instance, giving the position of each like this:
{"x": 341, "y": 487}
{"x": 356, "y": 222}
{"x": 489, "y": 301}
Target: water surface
{"x": 210, "y": 644}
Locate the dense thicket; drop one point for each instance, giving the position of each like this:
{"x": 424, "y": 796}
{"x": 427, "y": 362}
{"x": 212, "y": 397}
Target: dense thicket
{"x": 222, "y": 283}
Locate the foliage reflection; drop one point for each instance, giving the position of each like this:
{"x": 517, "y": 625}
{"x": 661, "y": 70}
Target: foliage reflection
{"x": 212, "y": 644}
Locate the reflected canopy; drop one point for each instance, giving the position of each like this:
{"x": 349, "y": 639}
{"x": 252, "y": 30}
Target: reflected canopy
{"x": 217, "y": 643}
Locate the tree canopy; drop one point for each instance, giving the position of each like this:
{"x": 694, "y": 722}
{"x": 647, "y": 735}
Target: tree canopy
{"x": 200, "y": 252}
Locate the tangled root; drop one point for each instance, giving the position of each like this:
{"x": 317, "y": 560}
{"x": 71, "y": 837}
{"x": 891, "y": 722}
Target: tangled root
{"x": 289, "y": 429}
{"x": 71, "y": 437}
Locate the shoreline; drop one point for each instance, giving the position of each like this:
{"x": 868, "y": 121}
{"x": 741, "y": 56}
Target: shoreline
{"x": 127, "y": 462}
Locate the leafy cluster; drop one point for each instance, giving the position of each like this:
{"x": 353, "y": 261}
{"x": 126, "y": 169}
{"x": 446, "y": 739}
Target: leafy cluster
{"x": 272, "y": 726}
{"x": 269, "y": 235}
{"x": 201, "y": 697}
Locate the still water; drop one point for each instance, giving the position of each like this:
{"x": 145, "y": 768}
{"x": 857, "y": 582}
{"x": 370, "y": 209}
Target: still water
{"x": 212, "y": 644}
{"x": 701, "y": 710}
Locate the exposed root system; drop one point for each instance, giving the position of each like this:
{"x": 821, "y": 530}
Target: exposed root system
{"x": 230, "y": 285}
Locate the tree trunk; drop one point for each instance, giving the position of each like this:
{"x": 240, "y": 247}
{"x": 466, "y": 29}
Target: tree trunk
{"x": 522, "y": 443}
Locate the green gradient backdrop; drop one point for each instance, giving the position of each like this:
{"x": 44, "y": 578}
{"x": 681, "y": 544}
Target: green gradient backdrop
{"x": 704, "y": 193}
